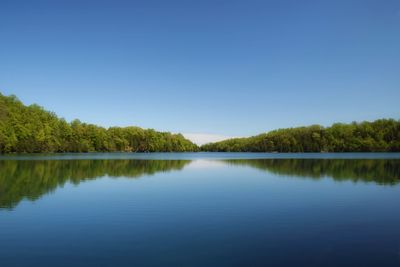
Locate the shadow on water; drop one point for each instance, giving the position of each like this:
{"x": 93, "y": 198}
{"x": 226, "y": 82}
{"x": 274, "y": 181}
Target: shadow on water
{"x": 32, "y": 179}
{"x": 379, "y": 171}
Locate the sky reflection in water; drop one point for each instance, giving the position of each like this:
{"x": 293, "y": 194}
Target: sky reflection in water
{"x": 200, "y": 212}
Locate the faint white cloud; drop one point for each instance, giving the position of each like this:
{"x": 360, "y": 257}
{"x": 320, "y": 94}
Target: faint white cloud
{"x": 203, "y": 138}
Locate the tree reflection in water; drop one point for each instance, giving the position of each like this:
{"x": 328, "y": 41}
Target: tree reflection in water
{"x": 30, "y": 179}
{"x": 21, "y": 179}
{"x": 380, "y": 171}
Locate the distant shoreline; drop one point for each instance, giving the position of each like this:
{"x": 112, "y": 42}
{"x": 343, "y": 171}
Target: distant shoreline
{"x": 198, "y": 156}
{"x": 31, "y": 129}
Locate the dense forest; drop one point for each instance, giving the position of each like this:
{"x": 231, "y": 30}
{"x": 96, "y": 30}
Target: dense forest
{"x": 377, "y": 136}
{"x": 31, "y": 129}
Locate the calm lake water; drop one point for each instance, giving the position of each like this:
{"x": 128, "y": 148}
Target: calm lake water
{"x": 200, "y": 209}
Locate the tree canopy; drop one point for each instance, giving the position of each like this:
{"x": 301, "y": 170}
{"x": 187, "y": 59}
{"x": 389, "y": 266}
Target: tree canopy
{"x": 378, "y": 136}
{"x": 31, "y": 129}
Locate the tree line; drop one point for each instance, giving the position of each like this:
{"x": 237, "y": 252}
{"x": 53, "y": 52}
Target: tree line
{"x": 31, "y": 129}
{"x": 378, "y": 136}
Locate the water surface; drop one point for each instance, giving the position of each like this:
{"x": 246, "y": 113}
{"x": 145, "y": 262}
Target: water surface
{"x": 205, "y": 209}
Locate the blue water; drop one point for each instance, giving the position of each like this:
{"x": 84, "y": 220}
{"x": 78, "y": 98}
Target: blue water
{"x": 203, "y": 209}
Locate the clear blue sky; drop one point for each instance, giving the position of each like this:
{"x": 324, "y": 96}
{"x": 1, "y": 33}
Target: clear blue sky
{"x": 231, "y": 68}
